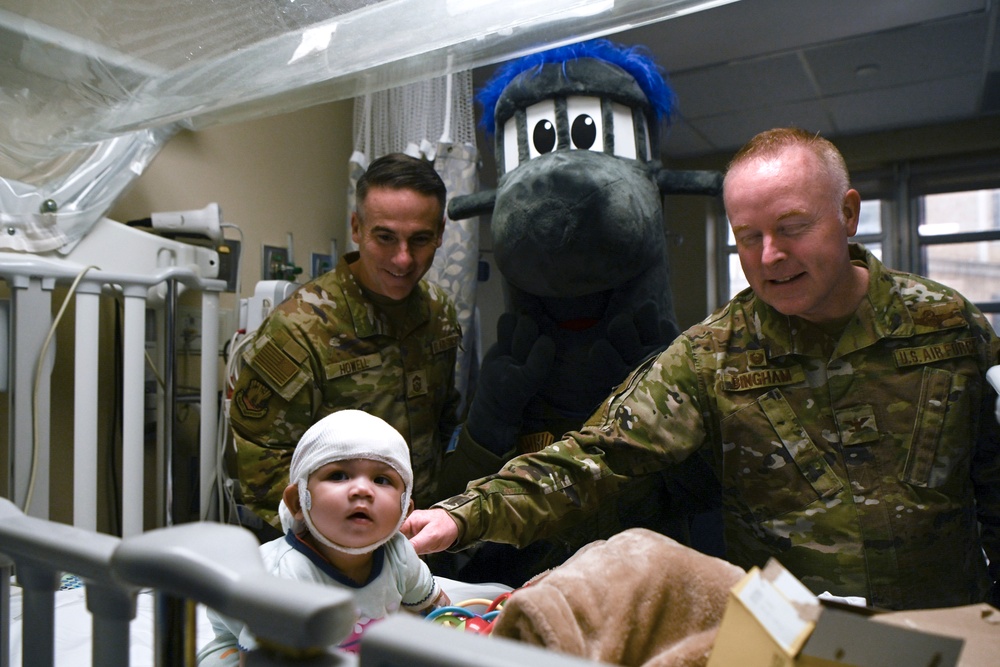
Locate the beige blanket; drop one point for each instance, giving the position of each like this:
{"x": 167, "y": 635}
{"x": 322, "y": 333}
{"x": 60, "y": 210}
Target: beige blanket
{"x": 639, "y": 598}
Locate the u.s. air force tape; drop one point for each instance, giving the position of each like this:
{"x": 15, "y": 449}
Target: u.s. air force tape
{"x": 912, "y": 356}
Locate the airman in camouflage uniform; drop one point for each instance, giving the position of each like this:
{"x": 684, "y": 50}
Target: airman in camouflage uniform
{"x": 337, "y": 343}
{"x": 865, "y": 456}
{"x": 853, "y": 465}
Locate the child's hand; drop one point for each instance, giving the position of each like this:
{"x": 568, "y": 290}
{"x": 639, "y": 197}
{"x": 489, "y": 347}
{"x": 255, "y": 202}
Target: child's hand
{"x": 442, "y": 600}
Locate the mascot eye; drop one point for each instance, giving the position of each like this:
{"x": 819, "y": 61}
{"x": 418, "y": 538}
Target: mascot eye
{"x": 586, "y": 129}
{"x": 543, "y": 137}
{"x": 583, "y": 132}
{"x": 540, "y": 121}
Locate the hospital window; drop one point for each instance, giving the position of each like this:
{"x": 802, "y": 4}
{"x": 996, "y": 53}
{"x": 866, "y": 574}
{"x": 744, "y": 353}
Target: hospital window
{"x": 959, "y": 244}
{"x": 937, "y": 220}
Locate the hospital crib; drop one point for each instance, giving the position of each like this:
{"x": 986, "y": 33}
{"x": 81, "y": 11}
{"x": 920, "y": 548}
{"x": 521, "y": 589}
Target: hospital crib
{"x": 146, "y": 274}
{"x": 219, "y": 566}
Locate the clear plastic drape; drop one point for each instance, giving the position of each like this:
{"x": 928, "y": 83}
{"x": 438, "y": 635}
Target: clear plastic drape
{"x": 75, "y": 75}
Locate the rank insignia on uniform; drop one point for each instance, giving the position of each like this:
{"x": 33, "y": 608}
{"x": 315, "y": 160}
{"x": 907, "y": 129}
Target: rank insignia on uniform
{"x": 253, "y": 399}
{"x": 416, "y": 384}
{"x": 756, "y": 358}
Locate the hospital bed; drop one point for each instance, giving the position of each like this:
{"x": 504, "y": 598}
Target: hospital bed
{"x": 141, "y": 601}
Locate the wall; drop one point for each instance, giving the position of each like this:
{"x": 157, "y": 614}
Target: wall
{"x": 282, "y": 174}
{"x": 273, "y": 176}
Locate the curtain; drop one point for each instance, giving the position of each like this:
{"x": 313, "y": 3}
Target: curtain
{"x": 434, "y": 120}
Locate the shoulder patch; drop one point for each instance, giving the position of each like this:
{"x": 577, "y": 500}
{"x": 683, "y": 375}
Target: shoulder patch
{"x": 252, "y": 401}
{"x": 275, "y": 364}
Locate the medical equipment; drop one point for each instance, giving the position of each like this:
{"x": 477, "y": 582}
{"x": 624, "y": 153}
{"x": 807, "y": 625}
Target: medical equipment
{"x": 266, "y": 295}
{"x": 199, "y": 223}
{"x": 143, "y": 274}
{"x": 213, "y": 564}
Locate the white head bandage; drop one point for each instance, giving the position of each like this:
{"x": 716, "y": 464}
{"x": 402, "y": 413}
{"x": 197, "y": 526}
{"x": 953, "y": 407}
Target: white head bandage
{"x": 347, "y": 434}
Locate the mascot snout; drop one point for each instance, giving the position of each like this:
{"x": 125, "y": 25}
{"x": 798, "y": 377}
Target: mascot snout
{"x": 579, "y": 219}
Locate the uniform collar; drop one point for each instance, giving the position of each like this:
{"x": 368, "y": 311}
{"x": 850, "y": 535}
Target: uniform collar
{"x": 881, "y": 313}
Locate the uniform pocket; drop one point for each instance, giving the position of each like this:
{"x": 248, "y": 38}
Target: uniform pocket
{"x": 942, "y": 419}
{"x": 772, "y": 461}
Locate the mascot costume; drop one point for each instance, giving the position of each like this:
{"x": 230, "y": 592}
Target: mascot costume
{"x": 579, "y": 239}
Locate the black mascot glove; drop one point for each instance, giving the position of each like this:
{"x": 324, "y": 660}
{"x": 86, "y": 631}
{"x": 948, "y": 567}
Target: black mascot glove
{"x": 632, "y": 336}
{"x": 513, "y": 371}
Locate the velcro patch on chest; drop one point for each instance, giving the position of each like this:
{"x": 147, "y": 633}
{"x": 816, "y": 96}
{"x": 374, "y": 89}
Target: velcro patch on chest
{"x": 926, "y": 354}
{"x": 766, "y": 377}
{"x": 278, "y": 364}
{"x": 416, "y": 383}
{"x": 445, "y": 344}
{"x": 352, "y": 366}
{"x": 534, "y": 442}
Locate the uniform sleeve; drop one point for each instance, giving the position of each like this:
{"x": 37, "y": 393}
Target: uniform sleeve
{"x": 273, "y": 403}
{"x": 652, "y": 422}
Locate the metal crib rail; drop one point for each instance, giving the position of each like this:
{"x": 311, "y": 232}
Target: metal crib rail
{"x": 40, "y": 551}
{"x": 215, "y": 564}
{"x": 220, "y": 566}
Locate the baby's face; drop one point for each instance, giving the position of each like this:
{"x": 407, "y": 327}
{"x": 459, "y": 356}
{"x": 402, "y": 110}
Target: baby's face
{"x": 356, "y": 502}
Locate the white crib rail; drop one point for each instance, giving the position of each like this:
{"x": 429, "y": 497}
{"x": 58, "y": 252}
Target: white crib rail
{"x": 215, "y": 564}
{"x": 31, "y": 280}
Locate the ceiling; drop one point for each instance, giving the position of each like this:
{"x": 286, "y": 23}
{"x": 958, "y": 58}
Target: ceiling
{"x": 841, "y": 68}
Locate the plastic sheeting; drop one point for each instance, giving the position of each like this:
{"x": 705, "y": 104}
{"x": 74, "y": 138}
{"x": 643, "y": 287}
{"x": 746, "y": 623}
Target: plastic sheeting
{"x": 115, "y": 78}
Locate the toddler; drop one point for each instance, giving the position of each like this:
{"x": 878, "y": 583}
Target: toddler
{"x": 349, "y": 491}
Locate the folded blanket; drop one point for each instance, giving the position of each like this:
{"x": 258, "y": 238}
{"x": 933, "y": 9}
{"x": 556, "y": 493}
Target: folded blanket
{"x": 638, "y": 598}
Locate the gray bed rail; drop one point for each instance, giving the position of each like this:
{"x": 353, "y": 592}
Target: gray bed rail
{"x": 219, "y": 566}
{"x": 215, "y": 564}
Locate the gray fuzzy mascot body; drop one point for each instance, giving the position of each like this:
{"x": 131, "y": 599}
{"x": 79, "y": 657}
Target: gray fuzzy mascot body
{"x": 579, "y": 239}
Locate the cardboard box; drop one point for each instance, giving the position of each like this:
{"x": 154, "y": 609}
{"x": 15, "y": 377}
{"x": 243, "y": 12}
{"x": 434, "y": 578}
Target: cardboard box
{"x": 772, "y": 620}
{"x": 977, "y": 624}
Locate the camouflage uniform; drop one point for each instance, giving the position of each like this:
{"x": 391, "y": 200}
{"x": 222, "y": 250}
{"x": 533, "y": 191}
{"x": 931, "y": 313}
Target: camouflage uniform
{"x": 327, "y": 348}
{"x": 862, "y": 464}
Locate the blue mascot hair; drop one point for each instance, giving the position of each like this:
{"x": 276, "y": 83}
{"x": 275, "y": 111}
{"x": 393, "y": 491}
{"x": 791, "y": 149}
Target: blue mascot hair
{"x": 635, "y": 60}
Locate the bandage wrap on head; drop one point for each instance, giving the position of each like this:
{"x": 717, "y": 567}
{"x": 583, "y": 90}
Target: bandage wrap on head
{"x": 347, "y": 434}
